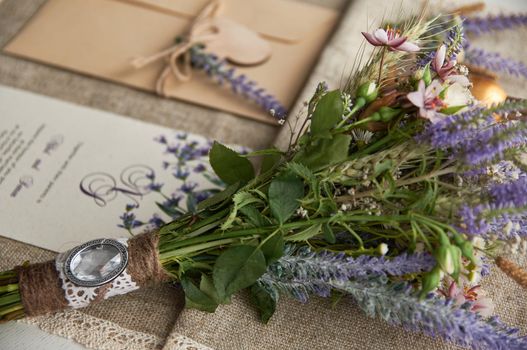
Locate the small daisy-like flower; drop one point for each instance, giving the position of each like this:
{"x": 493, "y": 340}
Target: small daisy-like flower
{"x": 281, "y": 121}
{"x": 362, "y": 136}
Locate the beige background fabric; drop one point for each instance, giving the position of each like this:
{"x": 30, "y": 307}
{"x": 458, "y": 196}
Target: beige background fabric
{"x": 143, "y": 319}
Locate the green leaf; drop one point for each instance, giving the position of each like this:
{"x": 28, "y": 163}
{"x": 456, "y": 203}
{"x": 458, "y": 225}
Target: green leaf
{"x": 273, "y": 248}
{"x": 306, "y": 234}
{"x": 170, "y": 211}
{"x": 264, "y": 152}
{"x": 240, "y": 200}
{"x": 328, "y": 233}
{"x": 381, "y": 167}
{"x": 327, "y": 114}
{"x": 229, "y": 165}
{"x": 237, "y": 268}
{"x": 264, "y": 302}
{"x": 191, "y": 202}
{"x": 302, "y": 171}
{"x": 207, "y": 286}
{"x": 285, "y": 193}
{"x": 327, "y": 206}
{"x": 452, "y": 109}
{"x": 195, "y": 298}
{"x": 269, "y": 161}
{"x": 310, "y": 178}
{"x": 324, "y": 152}
{"x": 254, "y": 216}
{"x": 219, "y": 197}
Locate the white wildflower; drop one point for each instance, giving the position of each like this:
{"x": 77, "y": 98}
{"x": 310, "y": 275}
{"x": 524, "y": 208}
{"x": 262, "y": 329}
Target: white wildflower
{"x": 508, "y": 228}
{"x": 301, "y": 212}
{"x": 463, "y": 69}
{"x": 281, "y": 121}
{"x": 362, "y": 136}
{"x": 478, "y": 242}
{"x": 382, "y": 248}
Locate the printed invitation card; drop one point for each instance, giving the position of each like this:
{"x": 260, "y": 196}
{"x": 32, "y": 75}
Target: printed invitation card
{"x": 69, "y": 174}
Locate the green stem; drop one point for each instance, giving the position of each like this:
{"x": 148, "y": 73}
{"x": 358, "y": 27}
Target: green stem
{"x": 8, "y": 299}
{"x": 416, "y": 227}
{"x": 353, "y": 125}
{"x": 14, "y": 308}
{"x": 8, "y": 288}
{"x": 354, "y": 234}
{"x": 194, "y": 248}
{"x": 220, "y": 238}
{"x": 440, "y": 172}
{"x": 381, "y": 66}
{"x": 359, "y": 103}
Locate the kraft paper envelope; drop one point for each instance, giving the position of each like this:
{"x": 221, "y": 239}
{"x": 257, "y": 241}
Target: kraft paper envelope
{"x": 101, "y": 37}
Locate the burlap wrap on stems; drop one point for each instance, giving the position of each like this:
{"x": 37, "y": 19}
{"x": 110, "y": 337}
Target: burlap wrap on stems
{"x": 41, "y": 288}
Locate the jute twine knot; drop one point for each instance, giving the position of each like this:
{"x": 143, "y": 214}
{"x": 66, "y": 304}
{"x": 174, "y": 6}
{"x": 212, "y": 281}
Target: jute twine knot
{"x": 41, "y": 287}
{"x": 201, "y": 31}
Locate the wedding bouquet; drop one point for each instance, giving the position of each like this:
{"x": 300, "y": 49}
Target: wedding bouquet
{"x": 398, "y": 191}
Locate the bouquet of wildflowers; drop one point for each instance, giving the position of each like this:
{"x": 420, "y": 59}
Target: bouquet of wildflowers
{"x": 398, "y": 191}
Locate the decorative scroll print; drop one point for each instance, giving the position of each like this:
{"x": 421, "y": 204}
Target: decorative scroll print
{"x": 188, "y": 177}
{"x": 135, "y": 182}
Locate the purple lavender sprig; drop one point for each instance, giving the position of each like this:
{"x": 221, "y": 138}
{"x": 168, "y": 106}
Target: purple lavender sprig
{"x": 475, "y": 138}
{"x": 240, "y": 84}
{"x": 397, "y": 304}
{"x": 303, "y": 263}
{"x": 493, "y": 61}
{"x": 300, "y": 271}
{"x": 482, "y": 25}
{"x": 503, "y": 212}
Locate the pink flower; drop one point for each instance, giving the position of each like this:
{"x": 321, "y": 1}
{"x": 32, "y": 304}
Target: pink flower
{"x": 445, "y": 69}
{"x": 427, "y": 99}
{"x": 480, "y": 303}
{"x": 391, "y": 39}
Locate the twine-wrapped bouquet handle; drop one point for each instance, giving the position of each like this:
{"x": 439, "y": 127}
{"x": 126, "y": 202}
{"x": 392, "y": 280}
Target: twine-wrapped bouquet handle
{"x": 44, "y": 288}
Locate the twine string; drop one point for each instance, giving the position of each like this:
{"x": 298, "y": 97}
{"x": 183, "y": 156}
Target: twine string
{"x": 41, "y": 288}
{"x": 201, "y": 31}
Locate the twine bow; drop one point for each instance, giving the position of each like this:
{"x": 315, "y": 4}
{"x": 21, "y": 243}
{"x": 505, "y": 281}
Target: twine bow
{"x": 178, "y": 57}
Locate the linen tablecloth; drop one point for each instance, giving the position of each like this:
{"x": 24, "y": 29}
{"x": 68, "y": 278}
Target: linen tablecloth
{"x": 152, "y": 318}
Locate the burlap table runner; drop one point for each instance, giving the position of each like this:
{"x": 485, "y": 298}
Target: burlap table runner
{"x": 121, "y": 323}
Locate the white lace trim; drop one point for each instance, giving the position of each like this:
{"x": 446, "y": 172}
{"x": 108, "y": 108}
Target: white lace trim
{"x": 180, "y": 342}
{"x": 78, "y": 296}
{"x": 95, "y": 333}
{"x": 121, "y": 285}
